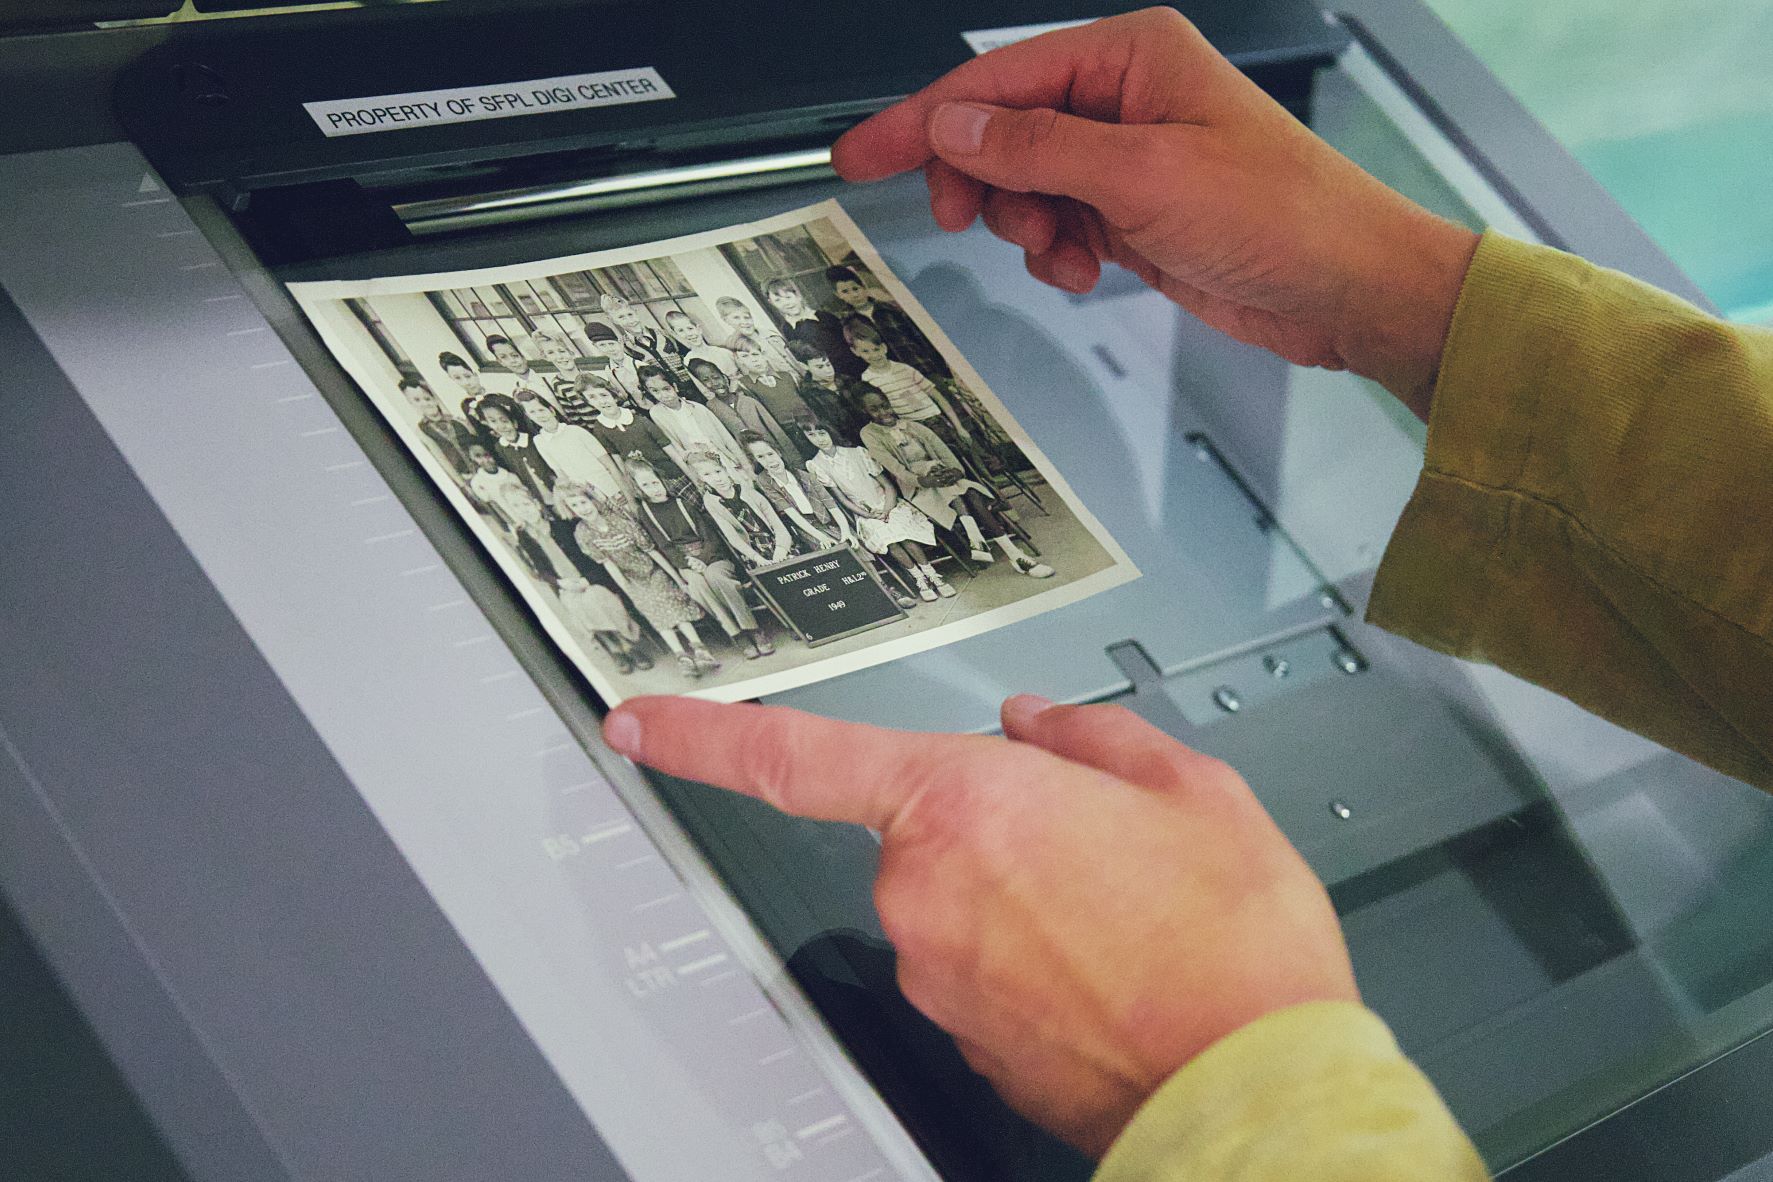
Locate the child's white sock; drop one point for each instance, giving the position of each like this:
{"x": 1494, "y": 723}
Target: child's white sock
{"x": 929, "y": 572}
{"x": 972, "y": 527}
{"x": 1010, "y": 549}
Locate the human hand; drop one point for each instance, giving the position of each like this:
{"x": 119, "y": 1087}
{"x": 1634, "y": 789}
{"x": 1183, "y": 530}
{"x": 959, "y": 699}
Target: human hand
{"x": 1132, "y": 141}
{"x": 1084, "y": 905}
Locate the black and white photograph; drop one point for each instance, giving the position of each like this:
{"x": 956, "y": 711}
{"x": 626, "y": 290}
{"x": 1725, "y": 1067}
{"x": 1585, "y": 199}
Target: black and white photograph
{"x": 723, "y": 465}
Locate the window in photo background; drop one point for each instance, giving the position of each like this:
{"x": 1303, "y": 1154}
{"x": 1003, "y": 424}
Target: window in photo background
{"x": 560, "y": 306}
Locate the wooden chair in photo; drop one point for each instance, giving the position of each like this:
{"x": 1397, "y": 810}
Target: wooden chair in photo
{"x": 1007, "y": 481}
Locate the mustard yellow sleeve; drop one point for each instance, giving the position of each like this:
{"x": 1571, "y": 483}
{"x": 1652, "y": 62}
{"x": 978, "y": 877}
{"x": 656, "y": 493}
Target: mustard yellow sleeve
{"x": 1595, "y": 512}
{"x": 1317, "y": 1091}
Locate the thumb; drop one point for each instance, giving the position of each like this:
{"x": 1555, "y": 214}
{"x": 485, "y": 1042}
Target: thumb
{"x": 1113, "y": 739}
{"x": 1116, "y": 167}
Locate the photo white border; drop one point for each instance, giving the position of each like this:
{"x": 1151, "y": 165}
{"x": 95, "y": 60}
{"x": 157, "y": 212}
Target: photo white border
{"x": 323, "y": 303}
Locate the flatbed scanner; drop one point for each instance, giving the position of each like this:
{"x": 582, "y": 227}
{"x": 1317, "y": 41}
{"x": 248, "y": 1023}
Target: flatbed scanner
{"x": 314, "y": 826}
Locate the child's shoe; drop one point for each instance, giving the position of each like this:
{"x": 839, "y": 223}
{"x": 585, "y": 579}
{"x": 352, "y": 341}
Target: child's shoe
{"x": 706, "y": 660}
{"x": 1033, "y": 569}
{"x": 687, "y": 666}
{"x": 942, "y": 588}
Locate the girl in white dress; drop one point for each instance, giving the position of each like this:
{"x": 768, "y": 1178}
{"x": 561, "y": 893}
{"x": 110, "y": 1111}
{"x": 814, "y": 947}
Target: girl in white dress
{"x": 885, "y": 523}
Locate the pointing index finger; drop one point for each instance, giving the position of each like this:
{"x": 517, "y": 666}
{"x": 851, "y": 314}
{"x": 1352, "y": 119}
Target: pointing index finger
{"x": 800, "y": 763}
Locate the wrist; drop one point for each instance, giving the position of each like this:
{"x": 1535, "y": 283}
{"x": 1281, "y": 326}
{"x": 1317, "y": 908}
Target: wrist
{"x": 1400, "y": 307}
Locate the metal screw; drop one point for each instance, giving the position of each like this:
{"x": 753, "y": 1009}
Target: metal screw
{"x": 1349, "y": 661}
{"x": 1228, "y": 700}
{"x": 1278, "y": 667}
{"x": 1340, "y": 810}
{"x": 1328, "y": 599}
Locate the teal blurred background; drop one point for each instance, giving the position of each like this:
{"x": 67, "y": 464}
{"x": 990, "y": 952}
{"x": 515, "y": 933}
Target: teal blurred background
{"x": 1669, "y": 103}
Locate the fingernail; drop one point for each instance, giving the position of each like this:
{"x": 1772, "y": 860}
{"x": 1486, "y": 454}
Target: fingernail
{"x": 959, "y": 127}
{"x": 1072, "y": 274}
{"x": 621, "y": 730}
{"x": 1022, "y": 709}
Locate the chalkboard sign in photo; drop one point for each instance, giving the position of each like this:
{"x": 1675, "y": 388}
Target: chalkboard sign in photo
{"x": 827, "y": 596}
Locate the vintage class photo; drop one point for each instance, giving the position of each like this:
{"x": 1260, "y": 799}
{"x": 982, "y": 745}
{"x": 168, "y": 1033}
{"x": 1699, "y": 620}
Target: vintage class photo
{"x": 728, "y": 464}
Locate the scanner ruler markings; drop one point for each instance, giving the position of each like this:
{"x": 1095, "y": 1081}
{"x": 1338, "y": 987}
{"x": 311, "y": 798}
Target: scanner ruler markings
{"x": 685, "y": 941}
{"x": 625, "y": 928}
{"x": 704, "y": 963}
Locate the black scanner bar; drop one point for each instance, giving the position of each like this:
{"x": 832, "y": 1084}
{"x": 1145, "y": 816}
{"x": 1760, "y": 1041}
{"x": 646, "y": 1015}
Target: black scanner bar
{"x": 221, "y": 108}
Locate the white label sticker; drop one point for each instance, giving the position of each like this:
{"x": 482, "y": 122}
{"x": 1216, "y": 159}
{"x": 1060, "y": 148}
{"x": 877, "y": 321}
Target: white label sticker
{"x": 465, "y": 104}
{"x": 984, "y": 40}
